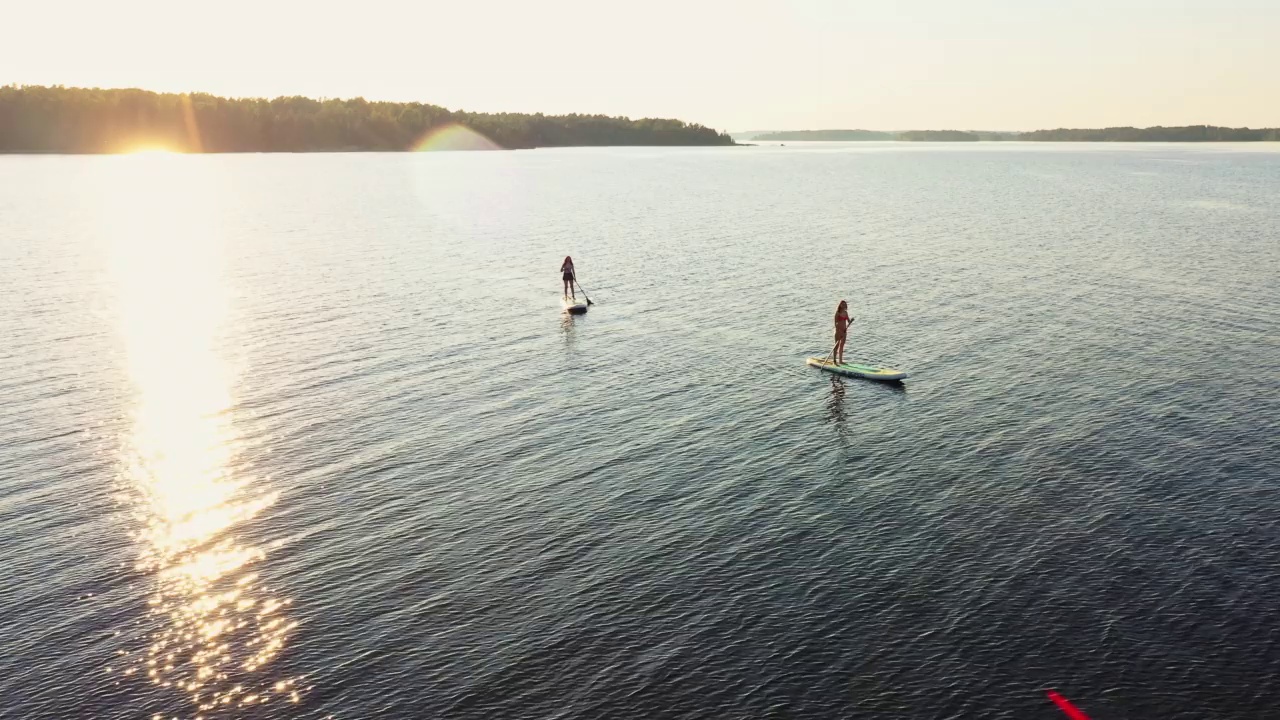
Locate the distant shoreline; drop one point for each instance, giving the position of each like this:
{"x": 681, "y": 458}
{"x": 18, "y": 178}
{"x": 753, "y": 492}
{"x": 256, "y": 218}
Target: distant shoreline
{"x": 1189, "y": 133}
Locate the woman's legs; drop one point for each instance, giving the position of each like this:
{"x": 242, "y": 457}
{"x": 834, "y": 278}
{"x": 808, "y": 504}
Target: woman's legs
{"x": 840, "y": 350}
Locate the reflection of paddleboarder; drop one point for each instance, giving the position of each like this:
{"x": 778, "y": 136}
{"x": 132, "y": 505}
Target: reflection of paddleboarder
{"x": 835, "y": 403}
{"x": 566, "y": 274}
{"x": 843, "y": 321}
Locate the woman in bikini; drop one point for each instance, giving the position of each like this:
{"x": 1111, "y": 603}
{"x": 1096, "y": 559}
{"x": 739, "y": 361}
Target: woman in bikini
{"x": 566, "y": 275}
{"x": 843, "y": 321}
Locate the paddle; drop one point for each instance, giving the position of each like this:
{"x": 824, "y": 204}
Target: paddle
{"x": 1065, "y": 706}
{"x": 584, "y": 291}
{"x": 833, "y": 347}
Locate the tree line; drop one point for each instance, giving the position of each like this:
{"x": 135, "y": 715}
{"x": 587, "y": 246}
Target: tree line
{"x": 92, "y": 120}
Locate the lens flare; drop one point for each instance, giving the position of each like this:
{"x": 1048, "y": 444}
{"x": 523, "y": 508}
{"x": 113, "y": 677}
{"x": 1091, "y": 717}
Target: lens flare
{"x": 454, "y": 136}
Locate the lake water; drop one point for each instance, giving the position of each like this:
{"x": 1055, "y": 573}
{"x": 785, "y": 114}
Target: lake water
{"x": 308, "y": 436}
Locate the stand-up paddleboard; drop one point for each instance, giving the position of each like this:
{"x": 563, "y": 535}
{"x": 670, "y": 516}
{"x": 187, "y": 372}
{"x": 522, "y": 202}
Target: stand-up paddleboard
{"x": 574, "y": 307}
{"x": 869, "y": 372}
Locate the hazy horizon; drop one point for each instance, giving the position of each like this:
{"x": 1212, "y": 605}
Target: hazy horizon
{"x": 814, "y": 64}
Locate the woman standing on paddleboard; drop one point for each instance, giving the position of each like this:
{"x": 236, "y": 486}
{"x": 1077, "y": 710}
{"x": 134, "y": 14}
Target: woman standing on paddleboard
{"x": 843, "y": 321}
{"x": 566, "y": 274}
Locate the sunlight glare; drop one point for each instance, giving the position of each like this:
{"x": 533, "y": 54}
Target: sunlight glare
{"x": 213, "y": 622}
{"x": 151, "y": 150}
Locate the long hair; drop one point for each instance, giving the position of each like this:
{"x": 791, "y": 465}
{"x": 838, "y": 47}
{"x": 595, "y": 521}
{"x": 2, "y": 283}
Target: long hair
{"x": 567, "y": 260}
{"x": 842, "y": 307}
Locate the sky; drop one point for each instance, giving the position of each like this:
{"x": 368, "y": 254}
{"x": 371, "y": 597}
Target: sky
{"x": 745, "y": 65}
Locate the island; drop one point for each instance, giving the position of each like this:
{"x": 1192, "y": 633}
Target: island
{"x": 40, "y": 119}
{"x": 880, "y": 135}
{"x": 1190, "y": 133}
{"x": 825, "y": 135}
{"x": 937, "y": 136}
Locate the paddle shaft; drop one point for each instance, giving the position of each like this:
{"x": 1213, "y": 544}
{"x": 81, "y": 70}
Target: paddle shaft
{"x": 584, "y": 290}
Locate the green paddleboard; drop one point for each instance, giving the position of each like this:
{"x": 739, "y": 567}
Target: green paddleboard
{"x": 869, "y": 372}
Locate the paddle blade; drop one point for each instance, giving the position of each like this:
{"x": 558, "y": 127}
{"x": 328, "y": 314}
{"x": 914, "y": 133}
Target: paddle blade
{"x": 1065, "y": 706}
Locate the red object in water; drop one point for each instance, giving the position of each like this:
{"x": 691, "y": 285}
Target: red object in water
{"x": 1065, "y": 706}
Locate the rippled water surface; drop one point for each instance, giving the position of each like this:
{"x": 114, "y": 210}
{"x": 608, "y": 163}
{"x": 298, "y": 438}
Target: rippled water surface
{"x": 309, "y": 436}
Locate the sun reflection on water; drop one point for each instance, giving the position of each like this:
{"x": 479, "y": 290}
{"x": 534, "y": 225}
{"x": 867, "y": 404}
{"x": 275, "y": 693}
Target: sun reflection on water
{"x": 215, "y": 627}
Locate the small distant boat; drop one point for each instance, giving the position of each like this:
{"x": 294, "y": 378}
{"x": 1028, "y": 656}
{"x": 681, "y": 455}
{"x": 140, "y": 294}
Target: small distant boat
{"x": 574, "y": 307}
{"x": 869, "y": 372}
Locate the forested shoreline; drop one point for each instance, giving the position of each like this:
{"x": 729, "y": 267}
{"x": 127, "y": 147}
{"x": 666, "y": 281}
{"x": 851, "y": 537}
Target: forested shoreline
{"x": 1190, "y": 133}
{"x": 39, "y": 119}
